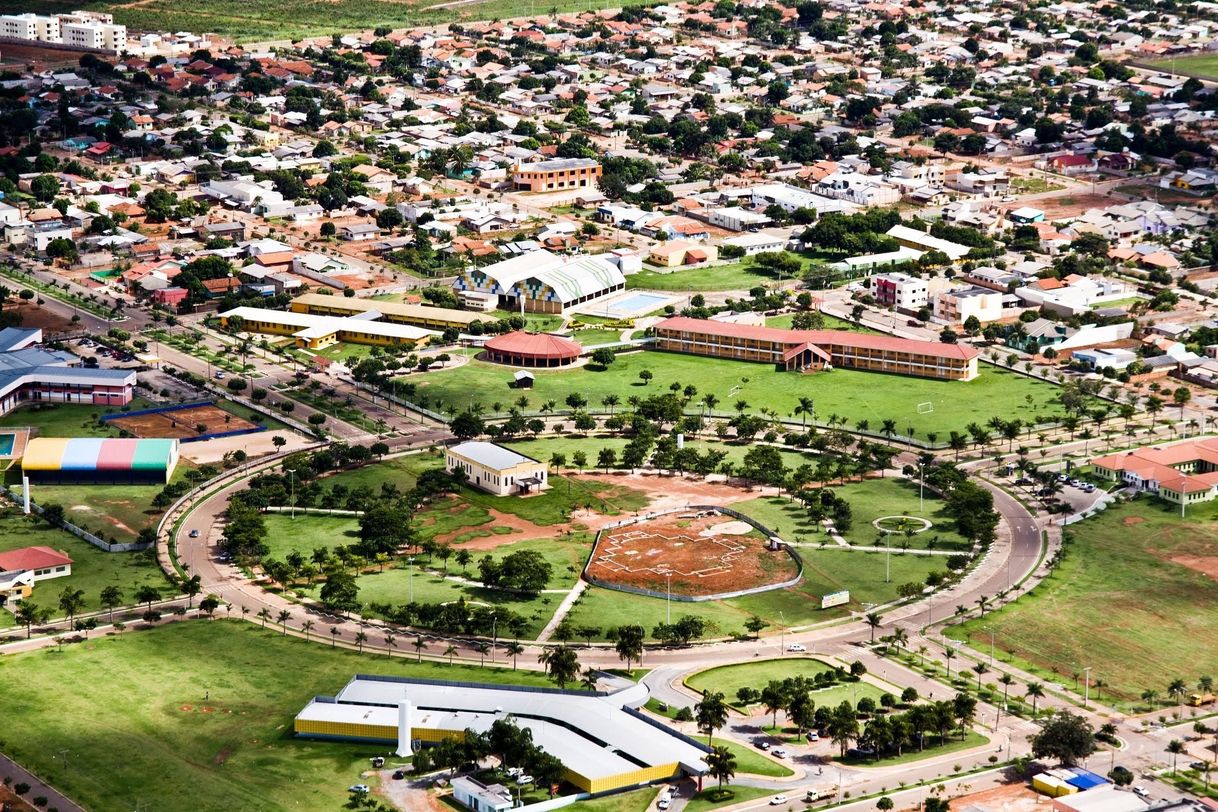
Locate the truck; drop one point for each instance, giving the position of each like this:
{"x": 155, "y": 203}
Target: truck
{"x": 1197, "y": 700}
{"x": 821, "y": 792}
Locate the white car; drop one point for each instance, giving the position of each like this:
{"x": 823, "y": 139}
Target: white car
{"x": 663, "y": 803}
{"x": 358, "y": 789}
{"x": 1141, "y": 791}
{"x": 778, "y": 752}
{"x": 797, "y": 647}
{"x": 778, "y": 800}
{"x": 524, "y": 779}
{"x": 814, "y": 736}
{"x": 219, "y": 374}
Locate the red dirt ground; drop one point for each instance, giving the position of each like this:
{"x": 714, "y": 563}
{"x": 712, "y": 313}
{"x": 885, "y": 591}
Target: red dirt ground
{"x": 1204, "y": 564}
{"x": 181, "y": 423}
{"x": 32, "y": 315}
{"x": 643, "y": 555}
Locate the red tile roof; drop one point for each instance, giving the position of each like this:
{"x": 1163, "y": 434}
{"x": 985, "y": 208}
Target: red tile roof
{"x": 839, "y": 338}
{"x": 32, "y": 558}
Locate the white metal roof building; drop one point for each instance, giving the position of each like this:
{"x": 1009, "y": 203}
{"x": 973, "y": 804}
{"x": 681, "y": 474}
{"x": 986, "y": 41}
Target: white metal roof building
{"x": 31, "y": 373}
{"x": 547, "y": 283}
{"x": 601, "y": 740}
{"x": 316, "y": 332}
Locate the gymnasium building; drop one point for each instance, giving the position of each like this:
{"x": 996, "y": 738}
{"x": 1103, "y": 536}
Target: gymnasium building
{"x": 542, "y": 282}
{"x": 99, "y": 461}
{"x": 814, "y": 350}
{"x": 416, "y": 315}
{"x": 603, "y": 742}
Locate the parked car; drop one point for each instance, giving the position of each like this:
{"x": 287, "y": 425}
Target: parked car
{"x": 219, "y": 374}
{"x": 524, "y": 779}
{"x": 814, "y": 736}
{"x": 797, "y": 647}
{"x": 663, "y": 803}
{"x": 763, "y": 745}
{"x": 398, "y": 775}
{"x": 778, "y": 800}
{"x": 778, "y": 752}
{"x": 1140, "y": 791}
{"x": 358, "y": 789}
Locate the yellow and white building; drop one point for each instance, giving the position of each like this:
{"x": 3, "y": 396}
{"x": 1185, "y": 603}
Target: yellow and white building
{"x": 603, "y": 743}
{"x": 495, "y": 469}
{"x": 317, "y": 332}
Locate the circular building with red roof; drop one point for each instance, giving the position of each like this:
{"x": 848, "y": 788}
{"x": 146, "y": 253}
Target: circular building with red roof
{"x": 523, "y": 349}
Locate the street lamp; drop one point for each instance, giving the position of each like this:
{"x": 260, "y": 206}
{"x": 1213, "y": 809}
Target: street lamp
{"x": 410, "y": 578}
{"x": 783, "y": 634}
{"x": 669, "y": 603}
{"x": 1086, "y": 686}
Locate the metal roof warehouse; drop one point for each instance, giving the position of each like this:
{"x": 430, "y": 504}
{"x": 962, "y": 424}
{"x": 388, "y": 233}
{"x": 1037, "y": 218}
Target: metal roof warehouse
{"x": 603, "y": 743}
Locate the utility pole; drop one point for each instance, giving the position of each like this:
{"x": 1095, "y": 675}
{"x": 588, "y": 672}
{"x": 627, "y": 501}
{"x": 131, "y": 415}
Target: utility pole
{"x": 1086, "y": 686}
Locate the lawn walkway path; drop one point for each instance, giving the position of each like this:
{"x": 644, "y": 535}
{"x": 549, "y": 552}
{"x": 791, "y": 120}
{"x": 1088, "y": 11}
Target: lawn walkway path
{"x": 563, "y": 609}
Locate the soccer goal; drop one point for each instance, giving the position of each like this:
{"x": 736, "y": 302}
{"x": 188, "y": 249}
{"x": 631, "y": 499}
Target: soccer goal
{"x": 926, "y": 408}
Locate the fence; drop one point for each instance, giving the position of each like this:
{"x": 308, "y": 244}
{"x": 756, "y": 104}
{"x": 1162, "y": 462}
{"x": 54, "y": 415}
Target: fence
{"x": 79, "y": 532}
{"x": 651, "y": 593}
{"x": 313, "y": 511}
{"x": 195, "y": 404}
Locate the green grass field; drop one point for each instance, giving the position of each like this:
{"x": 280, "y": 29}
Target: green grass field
{"x": 153, "y": 740}
{"x": 785, "y": 320}
{"x": 1203, "y": 66}
{"x": 66, "y": 419}
{"x": 1128, "y": 600}
{"x": 638, "y": 800}
{"x": 851, "y": 394}
{"x": 543, "y": 447}
{"x": 953, "y": 744}
{"x": 256, "y": 20}
{"x": 92, "y": 569}
{"x": 751, "y": 761}
{"x": 741, "y": 275}
{"x": 870, "y": 499}
{"x": 712, "y": 797}
{"x": 117, "y": 512}
{"x": 594, "y": 336}
{"x": 730, "y": 678}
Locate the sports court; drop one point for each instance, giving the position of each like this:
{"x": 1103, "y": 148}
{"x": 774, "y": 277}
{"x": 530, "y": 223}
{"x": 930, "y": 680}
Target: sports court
{"x": 182, "y": 423}
{"x": 697, "y": 553}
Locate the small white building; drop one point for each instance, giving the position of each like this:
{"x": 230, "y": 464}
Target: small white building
{"x": 495, "y": 469}
{"x": 473, "y": 794}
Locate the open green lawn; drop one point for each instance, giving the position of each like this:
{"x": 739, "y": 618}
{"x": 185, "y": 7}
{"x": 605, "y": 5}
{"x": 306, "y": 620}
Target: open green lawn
{"x": 852, "y": 394}
{"x": 831, "y": 323}
{"x": 93, "y": 569}
{"x": 547, "y": 508}
{"x": 67, "y": 419}
{"x": 953, "y": 744}
{"x": 304, "y": 533}
{"x": 1203, "y": 66}
{"x": 870, "y": 499}
{"x": 638, "y": 800}
{"x": 727, "y": 679}
{"x": 544, "y": 447}
{"x": 741, "y": 275}
{"x": 399, "y": 584}
{"x": 594, "y": 336}
{"x": 712, "y": 797}
{"x": 1128, "y": 600}
{"x": 752, "y": 761}
{"x": 257, "y": 20}
{"x": 115, "y": 512}
{"x": 129, "y": 715}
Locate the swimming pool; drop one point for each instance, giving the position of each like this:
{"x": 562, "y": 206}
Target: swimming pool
{"x": 6, "y": 444}
{"x": 637, "y": 304}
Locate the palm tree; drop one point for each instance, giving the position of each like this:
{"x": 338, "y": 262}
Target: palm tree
{"x": 1149, "y": 696}
{"x": 980, "y": 668}
{"x": 873, "y": 620}
{"x": 711, "y": 713}
{"x": 949, "y": 654}
{"x": 419, "y": 644}
{"x": 284, "y": 617}
{"x": 1175, "y": 747}
{"x": 334, "y": 635}
{"x": 720, "y": 765}
{"x": 514, "y": 650}
{"x": 264, "y": 615}
{"x": 899, "y": 638}
{"x": 391, "y": 641}
{"x": 805, "y": 408}
{"x": 1177, "y": 689}
{"x": 1007, "y": 681}
{"x": 360, "y": 638}
{"x": 1034, "y": 690}
{"x": 450, "y": 652}
{"x": 561, "y": 663}
{"x": 307, "y": 627}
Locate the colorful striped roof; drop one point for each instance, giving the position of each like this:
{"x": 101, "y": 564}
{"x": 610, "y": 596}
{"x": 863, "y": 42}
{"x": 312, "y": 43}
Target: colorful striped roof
{"x": 98, "y": 454}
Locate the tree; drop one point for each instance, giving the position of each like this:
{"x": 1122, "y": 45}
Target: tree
{"x": 1175, "y": 747}
{"x": 514, "y": 650}
{"x": 1065, "y": 737}
{"x": 774, "y": 698}
{"x": 843, "y": 726}
{"x": 111, "y": 598}
{"x": 30, "y": 614}
{"x": 209, "y": 605}
{"x": 561, "y": 664}
{"x": 874, "y": 620}
{"x": 711, "y": 713}
{"x": 645, "y": 375}
{"x": 71, "y": 601}
{"x": 754, "y": 625}
{"x": 340, "y": 593}
{"x": 190, "y": 587}
{"x": 603, "y": 356}
{"x": 629, "y": 644}
{"x": 720, "y": 765}
{"x": 147, "y": 594}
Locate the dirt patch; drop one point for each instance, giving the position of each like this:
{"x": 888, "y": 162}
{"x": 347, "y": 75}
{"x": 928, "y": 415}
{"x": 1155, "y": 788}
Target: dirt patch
{"x": 690, "y": 552}
{"x": 1057, "y": 208}
{"x": 1130, "y": 521}
{"x": 181, "y": 423}
{"x": 32, "y": 315}
{"x": 1006, "y": 798}
{"x": 1204, "y": 564}
{"x": 222, "y": 756}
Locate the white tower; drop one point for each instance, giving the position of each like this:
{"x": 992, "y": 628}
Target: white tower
{"x": 405, "y": 724}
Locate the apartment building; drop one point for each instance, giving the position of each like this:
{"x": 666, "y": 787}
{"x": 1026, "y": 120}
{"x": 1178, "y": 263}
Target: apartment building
{"x": 957, "y": 306}
{"x": 94, "y": 35}
{"x": 900, "y": 290}
{"x": 560, "y": 173}
{"x": 814, "y": 350}
{"x": 30, "y": 26}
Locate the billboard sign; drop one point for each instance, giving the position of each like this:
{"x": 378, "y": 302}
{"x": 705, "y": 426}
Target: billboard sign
{"x": 835, "y": 599}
